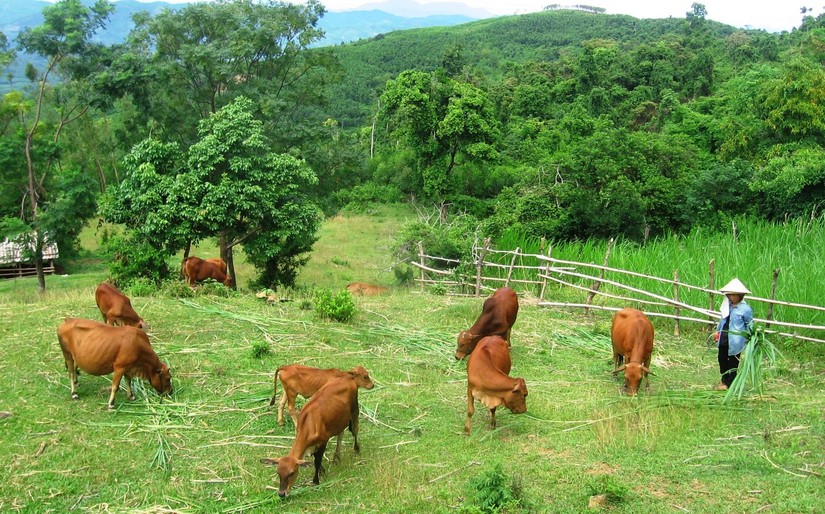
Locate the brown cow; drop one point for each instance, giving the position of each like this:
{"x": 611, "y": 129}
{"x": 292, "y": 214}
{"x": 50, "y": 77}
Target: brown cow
{"x": 220, "y": 263}
{"x": 100, "y": 349}
{"x": 632, "y": 335}
{"x": 498, "y": 314}
{"x": 304, "y": 380}
{"x": 363, "y": 289}
{"x": 196, "y": 270}
{"x": 488, "y": 381}
{"x": 330, "y": 411}
{"x": 116, "y": 307}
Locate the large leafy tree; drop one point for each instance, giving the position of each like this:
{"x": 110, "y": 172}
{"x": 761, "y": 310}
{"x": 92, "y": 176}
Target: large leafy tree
{"x": 442, "y": 121}
{"x": 204, "y": 55}
{"x": 64, "y": 40}
{"x": 230, "y": 185}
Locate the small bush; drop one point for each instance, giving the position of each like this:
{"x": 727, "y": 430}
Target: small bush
{"x": 215, "y": 288}
{"x": 403, "y": 274}
{"x": 615, "y": 491}
{"x": 492, "y": 491}
{"x": 259, "y": 349}
{"x": 337, "y": 307}
{"x": 438, "y": 289}
{"x": 141, "y": 287}
{"x": 131, "y": 258}
{"x": 177, "y": 289}
{"x": 340, "y": 262}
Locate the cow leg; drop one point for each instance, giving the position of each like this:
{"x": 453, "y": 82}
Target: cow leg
{"x": 116, "y": 376}
{"x": 647, "y": 375}
{"x": 281, "y": 404}
{"x": 470, "y": 411}
{"x": 353, "y": 428}
{"x": 493, "y": 418}
{"x": 70, "y": 365}
{"x": 129, "y": 394}
{"x": 338, "y": 438}
{"x": 319, "y": 461}
{"x": 507, "y": 337}
{"x": 290, "y": 405}
{"x": 618, "y": 359}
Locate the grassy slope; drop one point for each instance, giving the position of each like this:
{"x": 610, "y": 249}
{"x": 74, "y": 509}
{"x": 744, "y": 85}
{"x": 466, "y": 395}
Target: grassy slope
{"x": 676, "y": 448}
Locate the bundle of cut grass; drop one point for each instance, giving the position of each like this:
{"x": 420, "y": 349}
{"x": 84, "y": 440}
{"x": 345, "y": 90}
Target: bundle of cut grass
{"x": 757, "y": 353}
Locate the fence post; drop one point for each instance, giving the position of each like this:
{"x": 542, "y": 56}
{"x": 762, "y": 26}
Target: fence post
{"x": 512, "y": 263}
{"x": 676, "y": 298}
{"x": 421, "y": 260}
{"x": 480, "y": 265}
{"x": 546, "y": 272}
{"x": 769, "y": 316}
{"x": 711, "y": 295}
{"x": 597, "y": 284}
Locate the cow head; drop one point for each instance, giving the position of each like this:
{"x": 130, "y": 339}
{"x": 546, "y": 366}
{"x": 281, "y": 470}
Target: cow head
{"x": 288, "y": 468}
{"x": 632, "y": 376}
{"x": 516, "y": 399}
{"x": 466, "y": 344}
{"x": 229, "y": 281}
{"x": 362, "y": 377}
{"x": 161, "y": 379}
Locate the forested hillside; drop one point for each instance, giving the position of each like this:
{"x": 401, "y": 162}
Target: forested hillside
{"x": 226, "y": 121}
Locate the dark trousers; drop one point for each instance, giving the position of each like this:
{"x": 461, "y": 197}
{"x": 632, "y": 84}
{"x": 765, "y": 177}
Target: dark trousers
{"x": 728, "y": 364}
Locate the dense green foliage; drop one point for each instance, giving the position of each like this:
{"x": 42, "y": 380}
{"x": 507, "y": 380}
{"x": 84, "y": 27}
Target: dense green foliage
{"x": 564, "y": 125}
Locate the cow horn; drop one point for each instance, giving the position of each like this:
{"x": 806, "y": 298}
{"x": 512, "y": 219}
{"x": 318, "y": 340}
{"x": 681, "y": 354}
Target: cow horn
{"x": 270, "y": 462}
{"x": 648, "y": 371}
{"x": 620, "y": 368}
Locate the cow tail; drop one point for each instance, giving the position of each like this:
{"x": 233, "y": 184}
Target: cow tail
{"x": 275, "y": 389}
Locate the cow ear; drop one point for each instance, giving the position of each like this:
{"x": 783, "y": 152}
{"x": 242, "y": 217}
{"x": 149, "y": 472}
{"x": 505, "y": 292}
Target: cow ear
{"x": 270, "y": 462}
{"x": 620, "y": 368}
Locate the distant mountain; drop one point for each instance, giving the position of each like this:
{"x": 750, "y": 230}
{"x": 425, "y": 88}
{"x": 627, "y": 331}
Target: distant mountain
{"x": 413, "y": 9}
{"x": 340, "y": 26}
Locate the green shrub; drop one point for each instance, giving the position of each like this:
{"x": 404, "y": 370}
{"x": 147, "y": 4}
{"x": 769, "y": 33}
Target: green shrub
{"x": 131, "y": 258}
{"x": 259, "y": 349}
{"x": 215, "y": 288}
{"x": 337, "y": 307}
{"x": 615, "y": 491}
{"x": 403, "y": 274}
{"x": 141, "y": 286}
{"x": 438, "y": 289}
{"x": 177, "y": 289}
{"x": 340, "y": 262}
{"x": 492, "y": 491}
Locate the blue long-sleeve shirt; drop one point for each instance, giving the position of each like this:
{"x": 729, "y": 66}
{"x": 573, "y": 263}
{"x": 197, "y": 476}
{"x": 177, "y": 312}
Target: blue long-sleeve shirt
{"x": 740, "y": 327}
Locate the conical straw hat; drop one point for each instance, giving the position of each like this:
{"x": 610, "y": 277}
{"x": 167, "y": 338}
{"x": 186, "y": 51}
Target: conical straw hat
{"x": 735, "y": 286}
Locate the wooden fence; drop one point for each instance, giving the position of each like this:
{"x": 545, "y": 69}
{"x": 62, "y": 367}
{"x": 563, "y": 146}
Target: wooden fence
{"x": 24, "y": 270}
{"x": 534, "y": 273}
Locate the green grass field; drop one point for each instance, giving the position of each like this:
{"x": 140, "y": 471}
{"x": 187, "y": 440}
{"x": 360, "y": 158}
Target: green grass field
{"x": 676, "y": 448}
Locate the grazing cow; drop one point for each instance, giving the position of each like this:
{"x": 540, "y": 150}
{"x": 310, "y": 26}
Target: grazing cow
{"x": 488, "y": 381}
{"x": 304, "y": 380}
{"x": 360, "y": 288}
{"x": 116, "y": 307}
{"x": 498, "y": 314}
{"x": 100, "y": 349}
{"x": 196, "y": 270}
{"x": 632, "y": 335}
{"x": 330, "y": 411}
{"x": 220, "y": 263}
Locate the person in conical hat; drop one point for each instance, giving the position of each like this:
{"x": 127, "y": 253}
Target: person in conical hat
{"x": 733, "y": 331}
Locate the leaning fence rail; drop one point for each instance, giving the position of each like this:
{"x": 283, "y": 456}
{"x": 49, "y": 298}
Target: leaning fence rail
{"x": 489, "y": 274}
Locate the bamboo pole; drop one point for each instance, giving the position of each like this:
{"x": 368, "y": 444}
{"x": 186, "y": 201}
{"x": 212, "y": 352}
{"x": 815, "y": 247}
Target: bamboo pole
{"x": 711, "y": 285}
{"x": 510, "y": 269}
{"x": 480, "y": 265}
{"x": 421, "y": 259}
{"x": 676, "y": 332}
{"x": 769, "y": 316}
{"x": 594, "y": 289}
{"x": 546, "y": 272}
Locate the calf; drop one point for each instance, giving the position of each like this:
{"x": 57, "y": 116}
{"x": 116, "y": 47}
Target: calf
{"x": 116, "y": 307}
{"x": 632, "y": 335}
{"x": 360, "y": 288}
{"x": 100, "y": 349}
{"x": 330, "y": 411}
{"x": 304, "y": 380}
{"x": 195, "y": 270}
{"x": 498, "y": 314}
{"x": 488, "y": 381}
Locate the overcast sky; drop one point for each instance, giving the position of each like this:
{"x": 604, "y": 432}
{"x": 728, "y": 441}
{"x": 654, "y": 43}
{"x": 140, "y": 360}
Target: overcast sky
{"x": 772, "y": 15}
